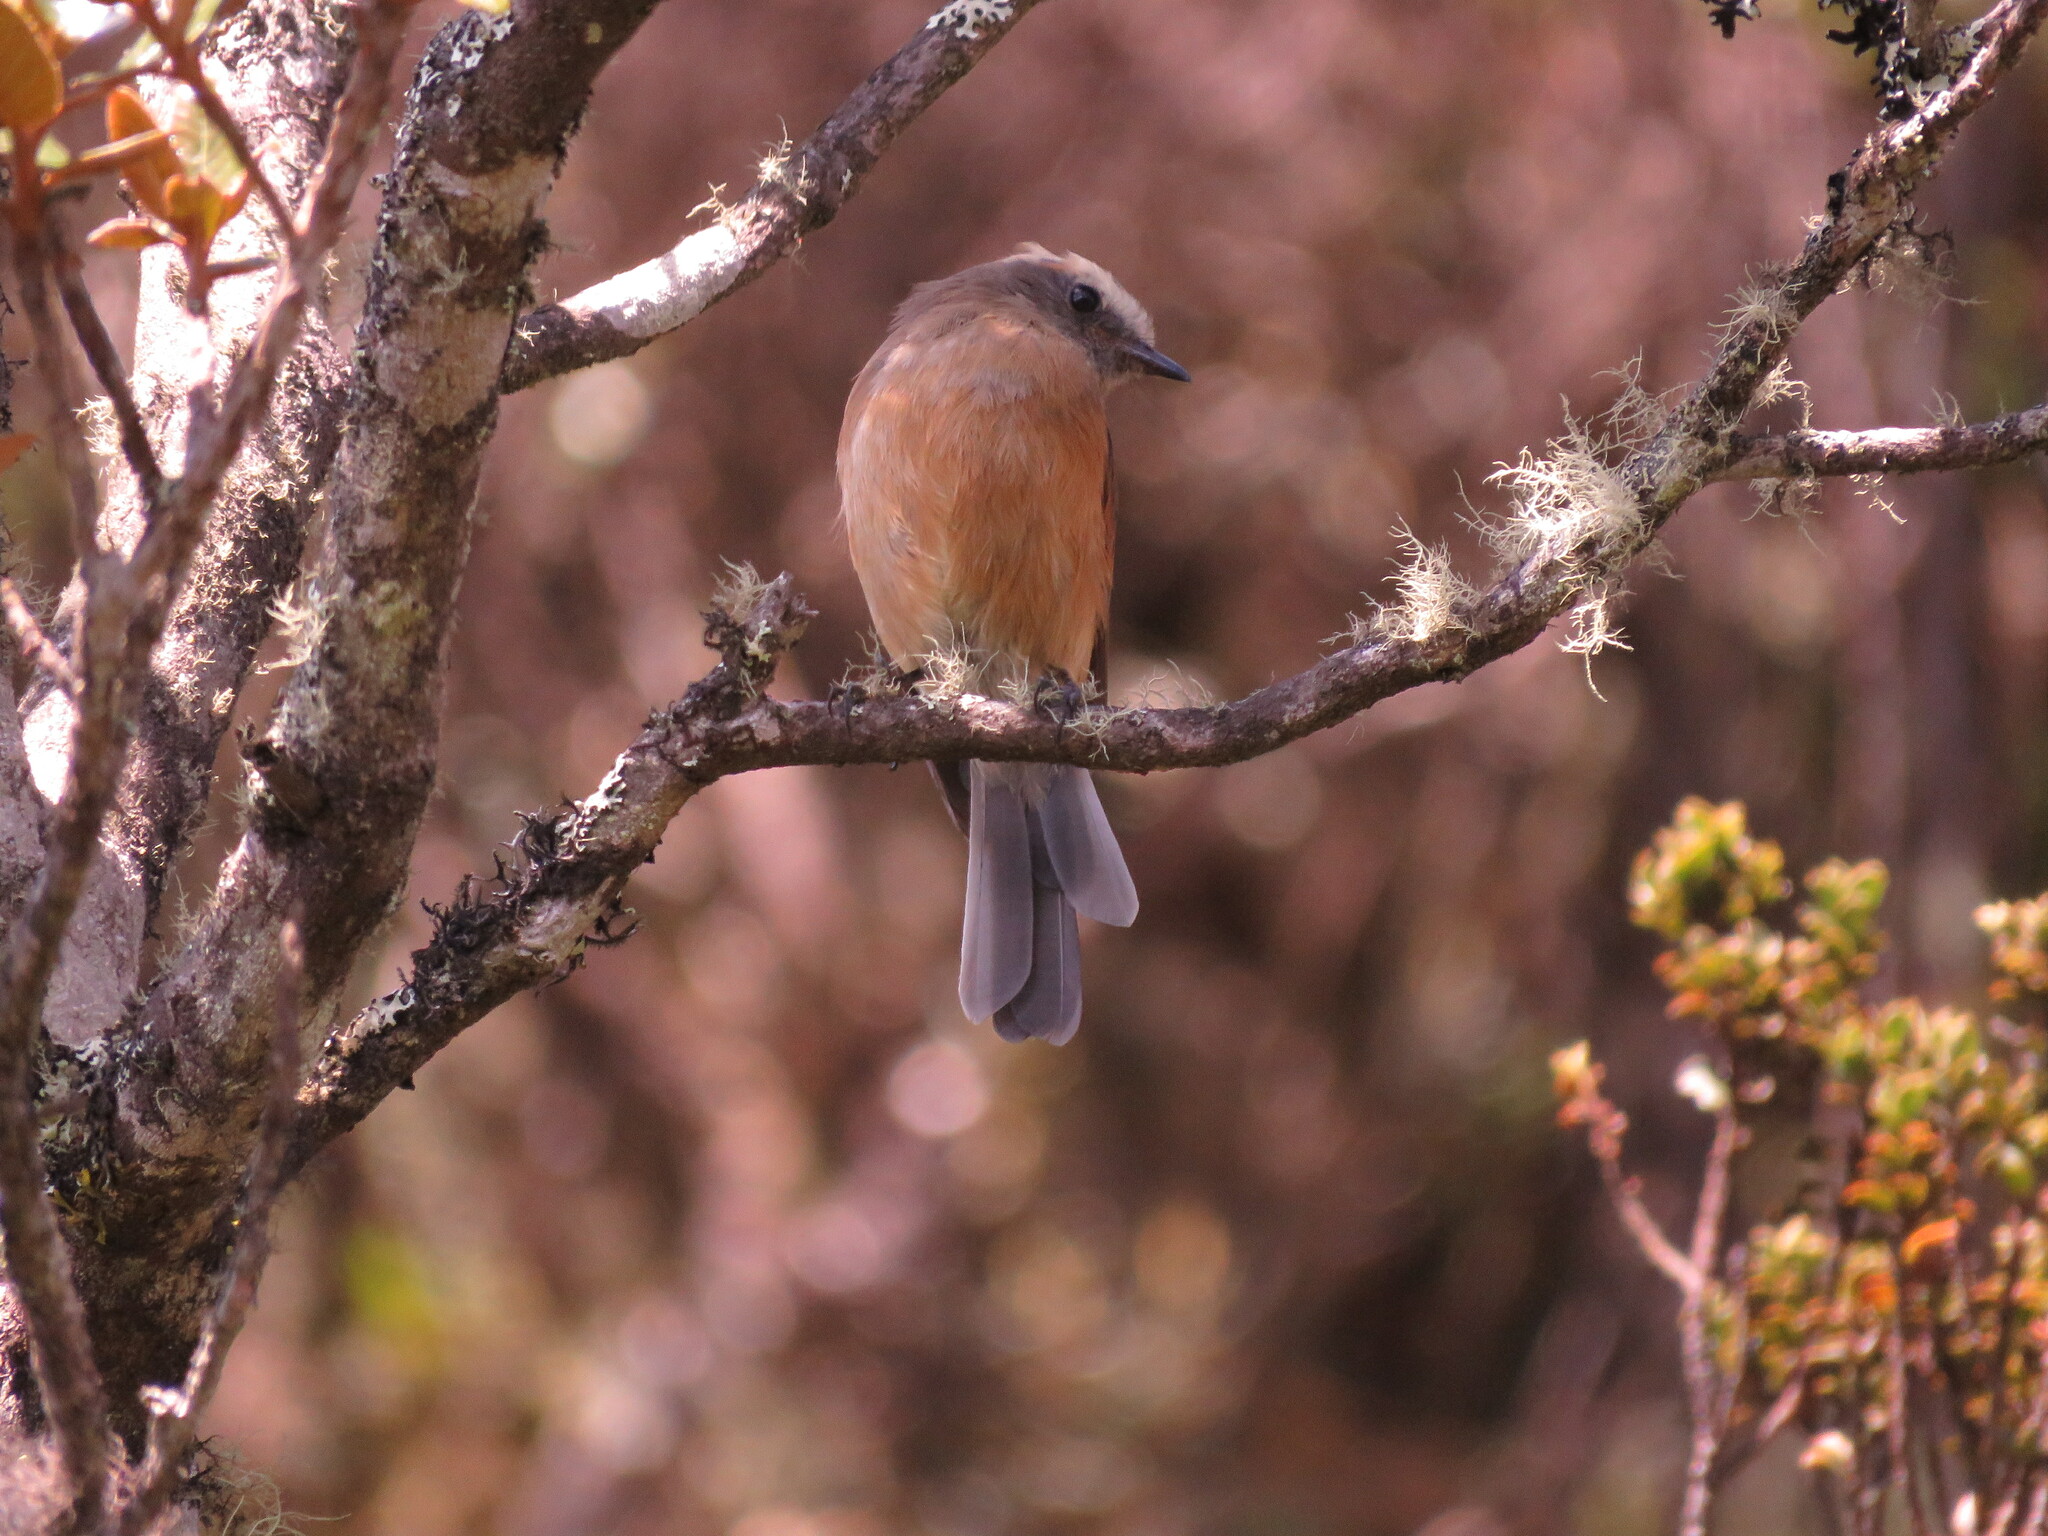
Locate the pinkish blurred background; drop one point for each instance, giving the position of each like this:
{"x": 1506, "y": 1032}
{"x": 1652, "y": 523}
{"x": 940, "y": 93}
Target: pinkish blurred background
{"x": 743, "y": 1230}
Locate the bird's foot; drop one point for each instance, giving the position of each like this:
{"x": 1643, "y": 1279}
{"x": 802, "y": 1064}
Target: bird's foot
{"x": 1059, "y": 696}
{"x": 845, "y": 697}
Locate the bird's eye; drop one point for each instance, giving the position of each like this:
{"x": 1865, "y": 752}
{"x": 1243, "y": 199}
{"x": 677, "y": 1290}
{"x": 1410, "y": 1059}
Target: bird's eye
{"x": 1084, "y": 299}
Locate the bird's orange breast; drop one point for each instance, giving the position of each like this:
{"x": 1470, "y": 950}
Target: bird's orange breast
{"x": 973, "y": 467}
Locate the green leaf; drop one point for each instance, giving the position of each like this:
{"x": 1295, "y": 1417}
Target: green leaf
{"x": 202, "y": 148}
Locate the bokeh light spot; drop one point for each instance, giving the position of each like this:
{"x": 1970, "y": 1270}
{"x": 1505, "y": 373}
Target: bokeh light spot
{"x": 938, "y": 1090}
{"x": 599, "y": 416}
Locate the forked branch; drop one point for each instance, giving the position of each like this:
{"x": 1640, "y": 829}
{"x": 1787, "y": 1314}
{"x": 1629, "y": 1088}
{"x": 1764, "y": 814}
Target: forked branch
{"x": 800, "y": 190}
{"x": 570, "y": 879}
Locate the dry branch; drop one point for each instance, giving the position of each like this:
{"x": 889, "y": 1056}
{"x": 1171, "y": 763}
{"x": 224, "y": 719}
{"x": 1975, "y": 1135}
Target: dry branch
{"x": 572, "y": 869}
{"x": 107, "y": 368}
{"x": 798, "y": 192}
{"x": 126, "y": 600}
{"x": 33, "y": 641}
{"x": 1889, "y": 450}
{"x": 175, "y": 1414}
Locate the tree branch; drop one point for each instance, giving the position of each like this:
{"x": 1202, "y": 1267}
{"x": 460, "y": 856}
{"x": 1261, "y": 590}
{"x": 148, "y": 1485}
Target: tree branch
{"x": 31, "y": 639}
{"x": 38, "y": 1262}
{"x": 175, "y": 1414}
{"x": 125, "y": 604}
{"x": 282, "y": 64}
{"x": 100, "y": 352}
{"x": 571, "y": 869}
{"x": 1889, "y": 450}
{"x": 798, "y": 193}
{"x": 341, "y": 777}
{"x": 1703, "y": 1386}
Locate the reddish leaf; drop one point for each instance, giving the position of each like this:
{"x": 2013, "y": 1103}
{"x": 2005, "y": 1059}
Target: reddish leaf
{"x": 31, "y": 88}
{"x": 128, "y": 118}
{"x": 117, "y": 156}
{"x": 126, "y": 235}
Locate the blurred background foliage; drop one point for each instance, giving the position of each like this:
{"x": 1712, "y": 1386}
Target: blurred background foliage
{"x": 743, "y": 1230}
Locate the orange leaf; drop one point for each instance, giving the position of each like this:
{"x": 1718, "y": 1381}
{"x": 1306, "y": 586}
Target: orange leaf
{"x": 116, "y": 156}
{"x": 31, "y": 87}
{"x": 54, "y": 42}
{"x": 1922, "y": 1240}
{"x": 128, "y": 118}
{"x": 12, "y": 446}
{"x": 196, "y": 209}
{"x": 125, "y": 235}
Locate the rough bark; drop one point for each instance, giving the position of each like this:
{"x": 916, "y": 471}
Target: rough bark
{"x": 280, "y": 65}
{"x": 1890, "y": 450}
{"x": 342, "y": 775}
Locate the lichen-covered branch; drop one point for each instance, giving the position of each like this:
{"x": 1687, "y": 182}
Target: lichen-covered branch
{"x": 1889, "y": 450}
{"x": 126, "y": 600}
{"x": 175, "y": 1413}
{"x": 1580, "y": 522}
{"x": 341, "y": 777}
{"x": 799, "y": 192}
{"x": 281, "y": 65}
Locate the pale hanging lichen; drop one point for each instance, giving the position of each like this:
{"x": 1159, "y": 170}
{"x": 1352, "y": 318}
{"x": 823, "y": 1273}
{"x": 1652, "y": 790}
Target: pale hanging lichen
{"x": 1430, "y": 594}
{"x": 1571, "y": 501}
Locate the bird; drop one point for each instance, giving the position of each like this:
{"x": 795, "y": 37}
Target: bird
{"x": 977, "y": 492}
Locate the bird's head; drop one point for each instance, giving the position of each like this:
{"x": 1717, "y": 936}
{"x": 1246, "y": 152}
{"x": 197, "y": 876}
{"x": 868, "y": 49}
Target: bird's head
{"x": 1085, "y": 302}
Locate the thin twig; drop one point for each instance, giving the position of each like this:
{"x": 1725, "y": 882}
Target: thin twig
{"x": 32, "y": 638}
{"x": 1900, "y": 1479}
{"x": 2037, "y": 1509}
{"x": 380, "y": 29}
{"x": 1625, "y": 1194}
{"x": 107, "y": 367}
{"x": 175, "y": 1413}
{"x": 37, "y": 1259}
{"x": 1784, "y": 1405}
{"x": 2008, "y": 1317}
{"x": 64, "y": 394}
{"x": 1889, "y": 450}
{"x": 1696, "y": 1349}
{"x": 799, "y": 192}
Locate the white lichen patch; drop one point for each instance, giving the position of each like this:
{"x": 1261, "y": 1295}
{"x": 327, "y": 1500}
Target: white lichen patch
{"x": 1170, "y": 686}
{"x": 949, "y": 674}
{"x": 1429, "y": 594}
{"x": 1779, "y": 386}
{"x": 299, "y": 614}
{"x": 1795, "y": 497}
{"x": 1571, "y": 501}
{"x": 1762, "y": 305}
{"x": 96, "y": 421}
{"x": 1565, "y": 497}
{"x": 1869, "y": 488}
{"x": 773, "y": 168}
{"x": 739, "y": 589}
{"x": 966, "y": 19}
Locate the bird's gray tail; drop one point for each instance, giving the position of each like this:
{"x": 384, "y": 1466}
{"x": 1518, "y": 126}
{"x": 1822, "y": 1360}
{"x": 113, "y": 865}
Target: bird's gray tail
{"x": 1039, "y": 850}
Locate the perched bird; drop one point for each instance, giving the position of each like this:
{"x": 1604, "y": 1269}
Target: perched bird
{"x": 974, "y": 478}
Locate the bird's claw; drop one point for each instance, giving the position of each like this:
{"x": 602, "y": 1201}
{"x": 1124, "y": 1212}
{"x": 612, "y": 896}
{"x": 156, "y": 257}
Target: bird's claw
{"x": 1060, "y": 697}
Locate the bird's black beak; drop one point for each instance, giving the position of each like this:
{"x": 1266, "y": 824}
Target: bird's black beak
{"x": 1152, "y": 360}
